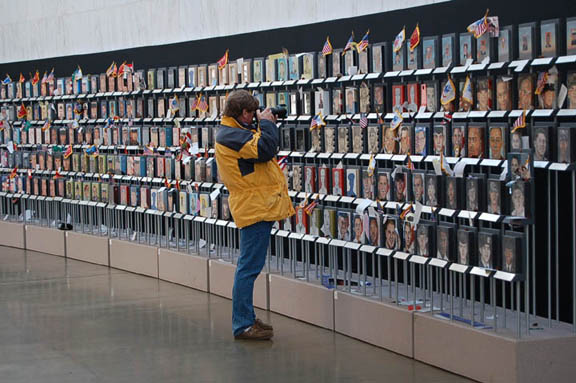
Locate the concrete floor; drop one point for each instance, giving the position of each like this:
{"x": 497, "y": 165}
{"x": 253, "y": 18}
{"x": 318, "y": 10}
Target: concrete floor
{"x": 69, "y": 321}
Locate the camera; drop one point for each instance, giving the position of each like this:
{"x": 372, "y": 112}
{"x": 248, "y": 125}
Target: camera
{"x": 279, "y": 111}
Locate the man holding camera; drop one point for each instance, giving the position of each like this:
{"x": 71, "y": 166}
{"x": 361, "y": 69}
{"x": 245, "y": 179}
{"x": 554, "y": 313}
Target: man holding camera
{"x": 245, "y": 155}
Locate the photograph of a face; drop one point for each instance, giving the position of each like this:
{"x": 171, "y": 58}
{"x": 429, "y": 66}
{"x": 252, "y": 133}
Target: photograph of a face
{"x": 444, "y": 242}
{"x": 408, "y": 237}
{"x": 282, "y": 69}
{"x": 525, "y": 41}
{"x": 343, "y": 141}
{"x": 466, "y": 246}
{"x": 337, "y": 62}
{"x": 504, "y": 44}
{"x": 420, "y": 140}
{"x": 549, "y": 38}
{"x": 504, "y": 93}
{"x": 258, "y": 69}
{"x": 390, "y": 142}
{"x": 525, "y": 92}
{"x": 473, "y": 193}
{"x": 497, "y": 141}
{"x": 337, "y": 101}
{"x": 400, "y": 187}
{"x": 372, "y": 233}
{"x": 301, "y": 221}
{"x": 511, "y": 253}
{"x": 338, "y": 181}
{"x": 310, "y": 179}
{"x": 358, "y": 139}
{"x": 368, "y": 184}
{"x": 413, "y": 57}
{"x": 494, "y": 196}
{"x": 519, "y": 199}
{"x": 344, "y": 220}
{"x": 424, "y": 240}
{"x": 398, "y": 97}
{"x": 329, "y": 139}
{"x": 297, "y": 178}
{"x": 476, "y": 135}
{"x": 413, "y": 94}
{"x": 383, "y": 186}
{"x": 466, "y": 48}
{"x": 564, "y": 144}
{"x": 447, "y": 50}
{"x": 391, "y": 234}
{"x": 324, "y": 180}
{"x": 483, "y": 47}
{"x": 373, "y": 139}
{"x": 432, "y": 192}
{"x": 458, "y": 140}
{"x": 429, "y": 47}
{"x": 452, "y": 193}
{"x": 487, "y": 249}
{"x": 329, "y": 223}
{"x": 405, "y": 139}
{"x": 571, "y": 84}
{"x": 418, "y": 187}
{"x": 431, "y": 94}
{"x": 377, "y": 58}
{"x": 484, "y": 94}
{"x": 398, "y": 60}
{"x": 571, "y": 36}
{"x": 541, "y": 143}
{"x": 357, "y": 228}
{"x": 439, "y": 140}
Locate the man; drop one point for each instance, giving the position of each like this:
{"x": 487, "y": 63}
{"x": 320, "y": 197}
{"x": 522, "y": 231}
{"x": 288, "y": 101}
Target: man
{"x": 563, "y": 145}
{"x": 422, "y": 237}
{"x": 451, "y": 193}
{"x": 442, "y": 251}
{"x": 245, "y": 154}
{"x": 383, "y": 187}
{"x": 525, "y": 93}
{"x": 540, "y": 145}
{"x": 494, "y": 197}
{"x": 420, "y": 141}
{"x": 485, "y": 251}
{"x": 391, "y": 234}
{"x": 509, "y": 258}
{"x": 458, "y": 141}
{"x": 400, "y": 187}
{"x": 438, "y": 140}
{"x": 418, "y": 187}
{"x": 463, "y": 258}
{"x": 405, "y": 143}
{"x": 358, "y": 230}
{"x": 503, "y": 94}
{"x": 374, "y": 232}
{"x": 483, "y": 95}
{"x": 475, "y": 142}
{"x": 343, "y": 226}
{"x": 496, "y": 141}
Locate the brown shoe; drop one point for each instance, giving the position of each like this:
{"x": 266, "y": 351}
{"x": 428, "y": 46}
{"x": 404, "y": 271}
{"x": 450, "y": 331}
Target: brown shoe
{"x": 262, "y": 325}
{"x": 255, "y": 333}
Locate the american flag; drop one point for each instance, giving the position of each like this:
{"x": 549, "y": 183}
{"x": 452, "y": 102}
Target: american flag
{"x": 350, "y": 44}
{"x": 112, "y": 70}
{"x": 46, "y": 126}
{"x": 520, "y": 122}
{"x": 406, "y": 211}
{"x": 283, "y": 162}
{"x": 479, "y": 27}
{"x": 202, "y": 105}
{"x": 317, "y": 121}
{"x": 311, "y": 206}
{"x": 363, "y": 120}
{"x": 542, "y": 81}
{"x": 327, "y": 48}
{"x": 363, "y": 44}
{"x": 50, "y": 76}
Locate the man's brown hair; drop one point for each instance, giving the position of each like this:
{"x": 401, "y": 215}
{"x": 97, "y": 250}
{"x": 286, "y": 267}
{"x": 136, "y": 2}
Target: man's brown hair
{"x": 239, "y": 100}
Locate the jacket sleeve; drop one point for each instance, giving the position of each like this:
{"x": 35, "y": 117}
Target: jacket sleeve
{"x": 264, "y": 144}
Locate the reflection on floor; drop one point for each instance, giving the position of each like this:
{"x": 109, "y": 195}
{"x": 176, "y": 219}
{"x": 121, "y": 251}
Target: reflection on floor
{"x": 69, "y": 321}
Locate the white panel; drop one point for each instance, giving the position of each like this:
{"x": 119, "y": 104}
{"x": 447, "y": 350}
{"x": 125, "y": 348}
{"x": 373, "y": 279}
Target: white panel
{"x": 35, "y": 29}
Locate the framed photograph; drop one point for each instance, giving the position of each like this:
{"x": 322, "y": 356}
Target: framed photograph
{"x": 474, "y": 193}
{"x": 322, "y": 65}
{"x": 373, "y": 132}
{"x": 202, "y": 75}
{"x": 329, "y": 223}
{"x": 330, "y": 139}
{"x": 368, "y": 184}
{"x": 430, "y": 47}
{"x": 424, "y": 239}
{"x": 525, "y": 91}
{"x": 308, "y": 65}
{"x": 337, "y": 101}
{"x": 497, "y": 141}
{"x": 301, "y": 143}
{"x": 466, "y": 250}
{"x": 258, "y": 69}
{"x": 316, "y": 140}
{"x": 504, "y": 93}
{"x": 526, "y": 41}
{"x": 344, "y": 223}
{"x": 571, "y": 36}
{"x": 421, "y": 138}
{"x": 338, "y": 181}
{"x": 363, "y": 62}
{"x": 547, "y": 99}
{"x": 453, "y": 193}
{"x": 352, "y": 182}
{"x": 520, "y": 199}
{"x": 300, "y": 221}
{"x": 467, "y": 47}
{"x": 233, "y": 73}
{"x": 399, "y": 59}
{"x": 383, "y": 186}
{"x": 343, "y": 139}
{"x": 506, "y": 44}
{"x": 549, "y": 38}
{"x": 324, "y": 180}
{"x": 378, "y": 99}
{"x": 390, "y": 143}
{"x": 351, "y": 100}
{"x": 414, "y": 57}
{"x": 445, "y": 241}
{"x": 484, "y": 48}
{"x": 405, "y": 139}
{"x": 358, "y": 234}
{"x": 315, "y": 221}
{"x": 440, "y": 136}
{"x": 378, "y": 61}
{"x": 418, "y": 187}
{"x": 364, "y": 98}
{"x": 408, "y": 237}
{"x": 476, "y": 141}
{"x": 488, "y": 244}
{"x": 571, "y": 84}
{"x": 297, "y": 178}
{"x": 495, "y": 193}
{"x": 484, "y": 94}
{"x": 429, "y": 94}
{"x": 398, "y": 97}
{"x": 458, "y": 139}
{"x": 413, "y": 95}
{"x": 541, "y": 142}
{"x": 391, "y": 233}
{"x": 358, "y": 138}
{"x": 337, "y": 62}
{"x": 512, "y": 251}
{"x": 565, "y": 136}
{"x": 432, "y": 189}
{"x": 310, "y": 179}
{"x": 400, "y": 186}
{"x": 350, "y": 63}
{"x": 372, "y": 228}
{"x": 271, "y": 69}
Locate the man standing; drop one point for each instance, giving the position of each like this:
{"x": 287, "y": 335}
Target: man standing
{"x": 245, "y": 154}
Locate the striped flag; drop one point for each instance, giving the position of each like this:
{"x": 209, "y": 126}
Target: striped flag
{"x": 44, "y": 78}
{"x": 46, "y": 126}
{"x": 406, "y": 211}
{"x": 350, "y": 44}
{"x": 542, "y": 81}
{"x": 283, "y": 162}
{"x": 520, "y": 122}
{"x": 166, "y": 183}
{"x": 363, "y": 120}
{"x": 112, "y": 70}
{"x": 202, "y": 105}
{"x": 327, "y": 48}
{"x": 317, "y": 121}
{"x": 92, "y": 151}
{"x": 479, "y": 27}
{"x": 363, "y": 44}
{"x": 57, "y": 175}
{"x": 311, "y": 206}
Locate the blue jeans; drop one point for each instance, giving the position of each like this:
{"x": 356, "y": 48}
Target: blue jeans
{"x": 254, "y": 240}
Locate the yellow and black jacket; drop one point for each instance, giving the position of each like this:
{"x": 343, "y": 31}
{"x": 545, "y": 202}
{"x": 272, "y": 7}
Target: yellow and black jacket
{"x": 247, "y": 165}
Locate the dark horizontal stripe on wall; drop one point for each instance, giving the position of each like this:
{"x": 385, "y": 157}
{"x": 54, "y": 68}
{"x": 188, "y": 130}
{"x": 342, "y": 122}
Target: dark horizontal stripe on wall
{"x": 436, "y": 19}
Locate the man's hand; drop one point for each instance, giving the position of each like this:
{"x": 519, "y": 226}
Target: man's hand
{"x": 265, "y": 115}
